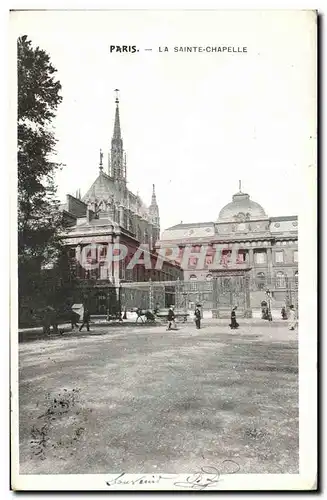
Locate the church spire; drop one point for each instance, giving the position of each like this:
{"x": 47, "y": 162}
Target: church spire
{"x": 101, "y": 162}
{"x": 154, "y": 199}
{"x": 154, "y": 209}
{"x": 117, "y": 164}
{"x": 117, "y": 131}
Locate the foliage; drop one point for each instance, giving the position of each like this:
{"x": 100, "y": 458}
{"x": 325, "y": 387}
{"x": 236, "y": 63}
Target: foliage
{"x": 39, "y": 219}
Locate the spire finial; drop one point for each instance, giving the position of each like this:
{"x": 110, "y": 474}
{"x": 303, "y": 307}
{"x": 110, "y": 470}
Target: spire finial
{"x": 117, "y": 131}
{"x": 240, "y": 186}
{"x": 101, "y": 163}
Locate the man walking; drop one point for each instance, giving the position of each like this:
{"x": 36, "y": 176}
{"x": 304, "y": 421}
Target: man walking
{"x": 139, "y": 315}
{"x": 197, "y": 314}
{"x": 86, "y": 320}
{"x": 171, "y": 319}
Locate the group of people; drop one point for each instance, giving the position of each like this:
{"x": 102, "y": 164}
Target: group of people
{"x": 172, "y": 317}
{"x": 50, "y": 318}
{"x": 197, "y": 318}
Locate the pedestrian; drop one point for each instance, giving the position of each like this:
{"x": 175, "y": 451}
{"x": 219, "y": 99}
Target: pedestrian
{"x": 197, "y": 315}
{"x": 171, "y": 319}
{"x": 234, "y": 325}
{"x": 291, "y": 319}
{"x": 139, "y": 314}
{"x": 283, "y": 313}
{"x": 74, "y": 318}
{"x": 86, "y": 320}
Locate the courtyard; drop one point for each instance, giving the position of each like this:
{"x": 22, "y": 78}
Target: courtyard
{"x": 145, "y": 400}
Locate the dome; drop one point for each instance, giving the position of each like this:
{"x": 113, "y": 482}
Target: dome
{"x": 240, "y": 209}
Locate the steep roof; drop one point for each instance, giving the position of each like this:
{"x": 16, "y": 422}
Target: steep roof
{"x": 103, "y": 187}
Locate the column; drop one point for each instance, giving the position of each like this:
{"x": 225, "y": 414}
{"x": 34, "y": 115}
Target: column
{"x": 248, "y": 309}
{"x": 78, "y": 253}
{"x": 215, "y": 312}
{"x": 150, "y": 295}
{"x": 251, "y": 257}
{"x": 116, "y": 266}
{"x": 269, "y": 265}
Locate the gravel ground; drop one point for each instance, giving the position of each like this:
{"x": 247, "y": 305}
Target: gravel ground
{"x": 144, "y": 400}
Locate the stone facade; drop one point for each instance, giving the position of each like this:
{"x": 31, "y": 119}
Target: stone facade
{"x": 243, "y": 240}
{"x": 109, "y": 213}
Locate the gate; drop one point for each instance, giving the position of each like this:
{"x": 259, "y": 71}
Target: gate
{"x": 148, "y": 295}
{"x": 228, "y": 292}
{"x": 218, "y": 295}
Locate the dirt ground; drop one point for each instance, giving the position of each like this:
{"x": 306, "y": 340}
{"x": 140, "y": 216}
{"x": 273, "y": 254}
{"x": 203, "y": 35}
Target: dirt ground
{"x": 144, "y": 400}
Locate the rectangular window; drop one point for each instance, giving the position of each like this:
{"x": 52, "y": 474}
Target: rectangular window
{"x": 295, "y": 256}
{"x": 260, "y": 257}
{"x": 279, "y": 257}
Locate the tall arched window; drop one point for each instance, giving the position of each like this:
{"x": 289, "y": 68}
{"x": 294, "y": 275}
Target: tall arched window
{"x": 193, "y": 280}
{"x": 280, "y": 280}
{"x": 209, "y": 278}
{"x": 261, "y": 280}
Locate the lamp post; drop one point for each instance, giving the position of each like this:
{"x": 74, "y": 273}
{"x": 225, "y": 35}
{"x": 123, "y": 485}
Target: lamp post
{"x": 268, "y": 294}
{"x": 185, "y": 305}
{"x": 119, "y": 300}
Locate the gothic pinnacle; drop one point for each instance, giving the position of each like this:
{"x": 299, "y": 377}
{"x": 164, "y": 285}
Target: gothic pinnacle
{"x": 154, "y": 199}
{"x": 117, "y": 131}
{"x": 101, "y": 162}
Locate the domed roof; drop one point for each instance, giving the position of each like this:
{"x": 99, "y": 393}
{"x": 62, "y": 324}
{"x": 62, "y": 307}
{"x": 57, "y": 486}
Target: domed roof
{"x": 241, "y": 208}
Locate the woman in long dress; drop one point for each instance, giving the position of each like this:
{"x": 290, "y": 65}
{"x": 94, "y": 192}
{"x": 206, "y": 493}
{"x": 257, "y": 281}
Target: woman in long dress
{"x": 291, "y": 319}
{"x": 233, "y": 323}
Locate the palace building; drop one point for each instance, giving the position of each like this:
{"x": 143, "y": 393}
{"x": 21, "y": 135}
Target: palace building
{"x": 109, "y": 213}
{"x": 243, "y": 242}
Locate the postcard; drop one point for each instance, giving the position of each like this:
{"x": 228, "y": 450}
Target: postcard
{"x": 163, "y": 309}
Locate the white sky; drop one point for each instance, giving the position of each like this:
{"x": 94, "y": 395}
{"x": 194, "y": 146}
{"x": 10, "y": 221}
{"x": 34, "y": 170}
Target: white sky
{"x": 193, "y": 124}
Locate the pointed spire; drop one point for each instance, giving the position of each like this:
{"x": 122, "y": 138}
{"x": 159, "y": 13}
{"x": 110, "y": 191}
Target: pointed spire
{"x": 117, "y": 131}
{"x": 117, "y": 167}
{"x": 154, "y": 199}
{"x": 240, "y": 186}
{"x": 101, "y": 162}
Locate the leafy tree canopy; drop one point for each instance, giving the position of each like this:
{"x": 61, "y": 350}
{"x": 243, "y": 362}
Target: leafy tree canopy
{"x": 38, "y": 100}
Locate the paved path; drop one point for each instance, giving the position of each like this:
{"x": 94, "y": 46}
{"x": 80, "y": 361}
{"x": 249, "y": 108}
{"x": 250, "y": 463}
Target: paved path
{"x": 147, "y": 400}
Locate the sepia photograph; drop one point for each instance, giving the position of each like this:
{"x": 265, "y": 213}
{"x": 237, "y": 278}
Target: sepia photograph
{"x": 163, "y": 223}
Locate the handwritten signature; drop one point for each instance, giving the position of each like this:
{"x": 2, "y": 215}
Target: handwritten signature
{"x": 125, "y": 479}
{"x": 206, "y": 477}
